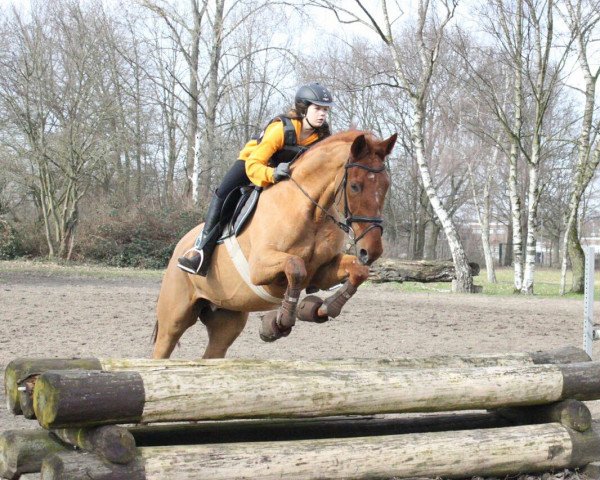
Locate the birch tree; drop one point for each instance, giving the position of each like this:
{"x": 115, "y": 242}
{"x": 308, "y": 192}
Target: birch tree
{"x": 582, "y": 17}
{"x": 187, "y": 37}
{"x": 413, "y": 77}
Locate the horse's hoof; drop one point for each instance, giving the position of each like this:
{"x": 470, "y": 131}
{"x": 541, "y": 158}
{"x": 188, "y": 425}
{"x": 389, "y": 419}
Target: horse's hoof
{"x": 269, "y": 331}
{"x": 308, "y": 310}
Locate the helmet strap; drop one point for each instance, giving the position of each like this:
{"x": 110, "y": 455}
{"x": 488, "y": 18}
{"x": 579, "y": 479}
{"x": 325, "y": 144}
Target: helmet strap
{"x": 308, "y": 121}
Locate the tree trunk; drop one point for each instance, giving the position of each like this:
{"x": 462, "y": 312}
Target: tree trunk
{"x": 464, "y": 279}
{"x": 192, "y": 107}
{"x": 533, "y": 199}
{"x": 212, "y": 100}
{"x": 483, "y": 217}
{"x": 432, "y": 241}
{"x": 577, "y": 258}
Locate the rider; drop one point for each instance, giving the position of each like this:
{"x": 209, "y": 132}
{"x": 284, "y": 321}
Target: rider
{"x": 263, "y": 161}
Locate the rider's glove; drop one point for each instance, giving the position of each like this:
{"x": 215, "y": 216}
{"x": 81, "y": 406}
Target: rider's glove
{"x": 281, "y": 172}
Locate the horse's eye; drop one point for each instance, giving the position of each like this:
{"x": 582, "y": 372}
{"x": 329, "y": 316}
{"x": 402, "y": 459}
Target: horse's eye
{"x": 355, "y": 187}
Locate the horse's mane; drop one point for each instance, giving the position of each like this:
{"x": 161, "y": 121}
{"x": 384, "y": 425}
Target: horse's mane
{"x": 346, "y": 136}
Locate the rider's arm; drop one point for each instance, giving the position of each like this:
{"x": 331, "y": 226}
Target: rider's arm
{"x": 257, "y": 159}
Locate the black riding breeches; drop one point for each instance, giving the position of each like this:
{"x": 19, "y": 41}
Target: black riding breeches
{"x": 234, "y": 178}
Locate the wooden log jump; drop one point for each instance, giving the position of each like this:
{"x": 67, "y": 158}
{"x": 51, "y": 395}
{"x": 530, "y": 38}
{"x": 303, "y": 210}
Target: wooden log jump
{"x": 74, "y": 398}
{"x": 22, "y": 451}
{"x": 21, "y": 373}
{"x": 81, "y": 408}
{"x": 490, "y": 452}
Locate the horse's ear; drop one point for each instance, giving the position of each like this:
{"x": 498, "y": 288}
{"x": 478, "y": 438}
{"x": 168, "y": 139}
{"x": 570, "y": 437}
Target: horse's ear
{"x": 390, "y": 142}
{"x": 359, "y": 147}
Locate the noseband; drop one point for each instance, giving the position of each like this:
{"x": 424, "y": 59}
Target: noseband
{"x": 346, "y": 226}
{"x": 376, "y": 222}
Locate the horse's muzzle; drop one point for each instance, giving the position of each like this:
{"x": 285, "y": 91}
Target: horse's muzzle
{"x": 363, "y": 257}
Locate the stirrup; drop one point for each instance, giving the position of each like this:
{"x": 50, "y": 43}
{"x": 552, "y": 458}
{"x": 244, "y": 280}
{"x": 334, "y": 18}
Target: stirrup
{"x": 187, "y": 268}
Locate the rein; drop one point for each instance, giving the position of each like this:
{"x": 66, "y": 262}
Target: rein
{"x": 346, "y": 226}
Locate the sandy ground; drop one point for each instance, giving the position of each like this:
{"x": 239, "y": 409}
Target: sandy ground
{"x": 79, "y": 316}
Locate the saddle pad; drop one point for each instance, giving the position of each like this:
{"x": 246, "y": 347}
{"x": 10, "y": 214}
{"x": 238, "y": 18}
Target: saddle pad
{"x": 243, "y": 212}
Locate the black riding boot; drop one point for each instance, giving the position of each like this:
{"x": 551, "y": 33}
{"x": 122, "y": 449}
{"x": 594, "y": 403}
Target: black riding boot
{"x": 205, "y": 243}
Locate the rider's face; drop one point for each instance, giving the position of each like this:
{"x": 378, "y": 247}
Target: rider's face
{"x": 316, "y": 114}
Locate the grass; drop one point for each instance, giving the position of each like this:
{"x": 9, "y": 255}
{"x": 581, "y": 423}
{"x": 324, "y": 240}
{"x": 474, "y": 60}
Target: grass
{"x": 48, "y": 268}
{"x": 546, "y": 284}
{"x": 546, "y": 280}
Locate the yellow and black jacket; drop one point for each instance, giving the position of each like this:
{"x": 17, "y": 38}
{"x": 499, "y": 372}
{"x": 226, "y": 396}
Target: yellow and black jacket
{"x": 278, "y": 143}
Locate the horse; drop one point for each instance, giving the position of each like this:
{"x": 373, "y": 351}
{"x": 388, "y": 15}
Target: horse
{"x": 294, "y": 241}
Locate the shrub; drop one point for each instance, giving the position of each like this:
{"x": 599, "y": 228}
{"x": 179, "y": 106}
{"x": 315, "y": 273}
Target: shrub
{"x": 132, "y": 237}
{"x": 10, "y": 245}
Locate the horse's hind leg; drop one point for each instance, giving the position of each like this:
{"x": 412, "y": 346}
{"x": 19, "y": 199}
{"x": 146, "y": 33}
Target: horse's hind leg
{"x": 223, "y": 327}
{"x": 175, "y": 314}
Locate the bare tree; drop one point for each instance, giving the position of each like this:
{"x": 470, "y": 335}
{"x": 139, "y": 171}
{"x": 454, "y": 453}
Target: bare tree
{"x": 189, "y": 46}
{"x": 582, "y": 17}
{"x": 413, "y": 77}
{"x": 50, "y": 94}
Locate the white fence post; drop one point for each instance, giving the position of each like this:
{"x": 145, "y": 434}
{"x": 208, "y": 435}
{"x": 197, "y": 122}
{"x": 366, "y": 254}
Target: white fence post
{"x": 589, "y": 334}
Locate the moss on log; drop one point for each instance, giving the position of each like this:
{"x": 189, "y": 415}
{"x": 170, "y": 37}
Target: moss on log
{"x": 115, "y": 444}
{"x": 22, "y": 451}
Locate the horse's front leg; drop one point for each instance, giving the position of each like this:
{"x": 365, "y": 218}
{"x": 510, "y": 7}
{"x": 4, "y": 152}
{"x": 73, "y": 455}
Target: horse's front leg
{"x": 343, "y": 267}
{"x": 279, "y": 323}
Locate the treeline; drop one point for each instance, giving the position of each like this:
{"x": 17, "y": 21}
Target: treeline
{"x": 118, "y": 119}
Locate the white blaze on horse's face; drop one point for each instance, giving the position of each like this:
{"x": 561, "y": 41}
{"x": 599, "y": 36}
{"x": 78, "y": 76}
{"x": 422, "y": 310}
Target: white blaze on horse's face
{"x": 366, "y": 188}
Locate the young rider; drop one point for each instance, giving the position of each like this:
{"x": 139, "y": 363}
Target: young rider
{"x": 264, "y": 161}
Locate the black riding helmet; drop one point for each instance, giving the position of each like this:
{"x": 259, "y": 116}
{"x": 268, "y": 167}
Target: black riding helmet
{"x": 313, "y": 93}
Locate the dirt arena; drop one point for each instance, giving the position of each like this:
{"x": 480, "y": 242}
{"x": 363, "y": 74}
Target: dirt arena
{"x": 67, "y": 315}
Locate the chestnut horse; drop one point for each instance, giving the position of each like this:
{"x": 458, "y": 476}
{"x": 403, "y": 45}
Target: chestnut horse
{"x": 294, "y": 241}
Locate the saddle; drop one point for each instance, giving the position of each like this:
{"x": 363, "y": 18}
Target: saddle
{"x": 237, "y": 210}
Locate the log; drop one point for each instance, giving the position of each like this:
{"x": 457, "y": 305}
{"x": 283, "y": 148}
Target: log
{"x": 22, "y": 451}
{"x": 490, "y": 452}
{"x": 24, "y": 370}
{"x": 423, "y": 271}
{"x": 115, "y": 444}
{"x": 78, "y": 465}
{"x": 73, "y": 398}
{"x": 570, "y": 413}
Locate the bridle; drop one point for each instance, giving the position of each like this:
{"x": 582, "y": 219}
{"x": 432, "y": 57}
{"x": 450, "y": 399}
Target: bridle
{"x": 349, "y": 217}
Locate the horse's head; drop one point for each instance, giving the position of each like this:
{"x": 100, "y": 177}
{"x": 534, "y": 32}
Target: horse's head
{"x": 366, "y": 184}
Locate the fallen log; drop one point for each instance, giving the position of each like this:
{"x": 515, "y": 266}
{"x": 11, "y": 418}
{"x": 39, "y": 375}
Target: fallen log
{"x": 115, "y": 444}
{"x": 73, "y": 398}
{"x": 21, "y": 374}
{"x": 22, "y": 451}
{"x": 570, "y": 413}
{"x": 424, "y": 271}
{"x": 490, "y": 452}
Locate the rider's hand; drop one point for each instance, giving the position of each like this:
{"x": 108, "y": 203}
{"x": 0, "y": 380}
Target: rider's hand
{"x": 281, "y": 172}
